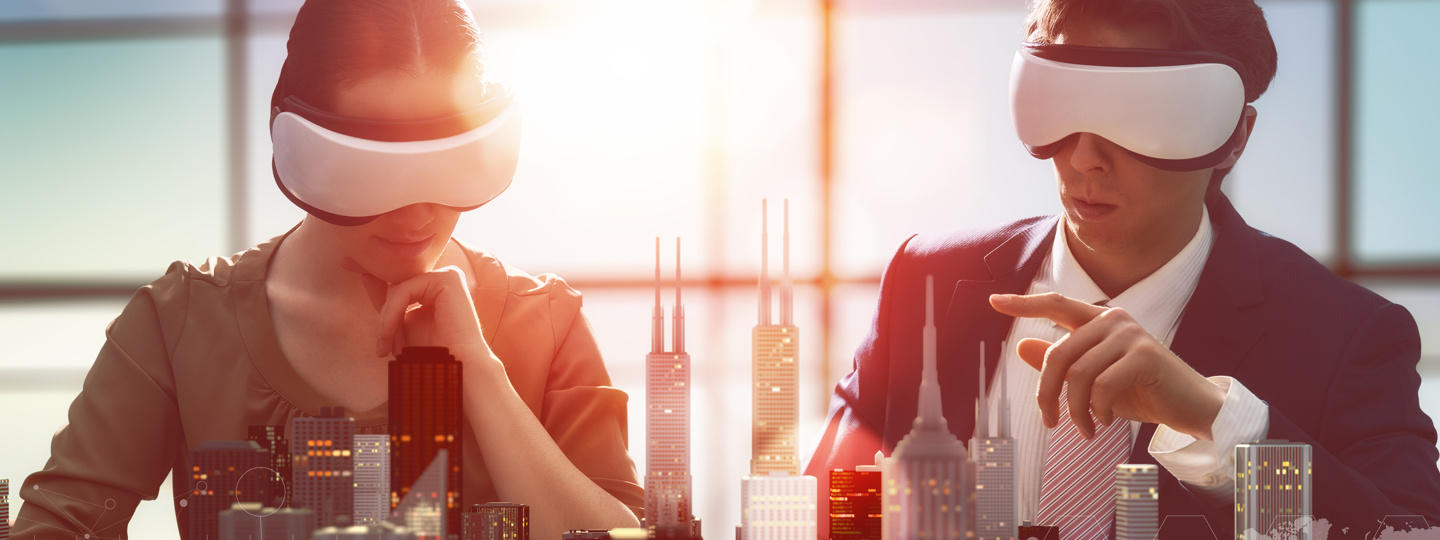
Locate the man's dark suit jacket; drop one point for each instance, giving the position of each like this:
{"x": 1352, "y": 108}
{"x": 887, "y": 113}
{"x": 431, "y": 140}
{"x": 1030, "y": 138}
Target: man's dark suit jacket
{"x": 1334, "y": 361}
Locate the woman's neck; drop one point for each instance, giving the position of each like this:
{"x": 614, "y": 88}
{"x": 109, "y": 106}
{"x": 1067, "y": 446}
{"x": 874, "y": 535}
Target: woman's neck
{"x": 306, "y": 263}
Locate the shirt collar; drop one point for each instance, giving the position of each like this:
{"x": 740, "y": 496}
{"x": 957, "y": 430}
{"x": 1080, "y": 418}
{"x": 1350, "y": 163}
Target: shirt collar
{"x": 1157, "y": 301}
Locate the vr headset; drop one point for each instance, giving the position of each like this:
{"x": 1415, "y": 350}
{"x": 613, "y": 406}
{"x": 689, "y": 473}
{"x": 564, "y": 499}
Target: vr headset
{"x": 1172, "y": 110}
{"x": 348, "y": 170}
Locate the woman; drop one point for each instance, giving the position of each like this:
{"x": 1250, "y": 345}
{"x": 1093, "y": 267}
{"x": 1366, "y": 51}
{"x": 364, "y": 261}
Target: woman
{"x": 312, "y": 318}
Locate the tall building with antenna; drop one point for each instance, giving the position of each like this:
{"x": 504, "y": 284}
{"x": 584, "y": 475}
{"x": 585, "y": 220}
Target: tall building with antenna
{"x": 776, "y": 503}
{"x": 927, "y": 482}
{"x": 775, "y": 369}
{"x": 667, "y": 418}
{"x": 993, "y": 451}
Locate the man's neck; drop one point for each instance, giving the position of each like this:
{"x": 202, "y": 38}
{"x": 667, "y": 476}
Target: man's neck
{"x": 1115, "y": 269}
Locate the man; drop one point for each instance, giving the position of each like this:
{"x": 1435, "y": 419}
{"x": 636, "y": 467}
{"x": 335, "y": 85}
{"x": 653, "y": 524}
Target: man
{"x": 1149, "y": 303}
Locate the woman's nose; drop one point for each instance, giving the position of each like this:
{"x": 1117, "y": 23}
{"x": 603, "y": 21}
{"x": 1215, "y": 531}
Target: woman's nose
{"x": 415, "y": 216}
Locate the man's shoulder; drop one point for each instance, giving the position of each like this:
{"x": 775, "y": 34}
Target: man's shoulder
{"x": 964, "y": 250}
{"x": 1293, "y": 277}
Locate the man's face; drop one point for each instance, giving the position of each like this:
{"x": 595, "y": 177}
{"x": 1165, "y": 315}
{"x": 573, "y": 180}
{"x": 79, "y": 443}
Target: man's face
{"x": 1113, "y": 202}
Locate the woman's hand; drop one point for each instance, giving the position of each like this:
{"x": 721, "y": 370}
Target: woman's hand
{"x": 432, "y": 309}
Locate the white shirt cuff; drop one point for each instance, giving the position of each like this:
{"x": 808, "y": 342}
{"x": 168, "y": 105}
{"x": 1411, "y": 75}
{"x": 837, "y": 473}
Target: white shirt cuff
{"x": 1208, "y": 467}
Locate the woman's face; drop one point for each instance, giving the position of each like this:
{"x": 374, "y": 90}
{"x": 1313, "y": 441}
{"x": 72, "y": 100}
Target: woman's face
{"x": 405, "y": 242}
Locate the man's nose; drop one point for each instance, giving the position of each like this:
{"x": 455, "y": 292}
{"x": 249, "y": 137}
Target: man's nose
{"x": 1091, "y": 153}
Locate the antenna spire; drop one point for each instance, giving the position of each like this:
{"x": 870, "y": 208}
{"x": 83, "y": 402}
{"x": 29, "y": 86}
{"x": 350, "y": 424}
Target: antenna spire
{"x": 1003, "y": 430}
{"x": 764, "y": 264}
{"x": 787, "y": 287}
{"x": 931, "y": 416}
{"x": 657, "y": 317}
{"x": 678, "y": 339}
{"x": 982, "y": 406}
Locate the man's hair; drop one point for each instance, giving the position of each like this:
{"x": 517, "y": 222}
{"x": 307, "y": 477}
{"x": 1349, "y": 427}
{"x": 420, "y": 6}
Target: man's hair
{"x": 1234, "y": 28}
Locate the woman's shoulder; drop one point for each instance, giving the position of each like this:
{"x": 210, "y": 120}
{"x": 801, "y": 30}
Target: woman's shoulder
{"x": 492, "y": 273}
{"x": 184, "y": 279}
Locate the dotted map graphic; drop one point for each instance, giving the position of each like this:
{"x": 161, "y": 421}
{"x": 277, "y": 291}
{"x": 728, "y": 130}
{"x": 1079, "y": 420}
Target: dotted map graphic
{"x": 86, "y": 532}
{"x": 91, "y": 532}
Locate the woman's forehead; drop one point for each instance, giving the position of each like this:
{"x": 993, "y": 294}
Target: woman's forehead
{"x": 405, "y": 95}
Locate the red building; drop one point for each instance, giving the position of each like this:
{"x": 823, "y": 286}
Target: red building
{"x": 855, "y": 503}
{"x": 425, "y": 417}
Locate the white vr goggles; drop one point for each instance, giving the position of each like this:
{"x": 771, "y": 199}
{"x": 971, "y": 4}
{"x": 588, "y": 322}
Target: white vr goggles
{"x": 348, "y": 171}
{"x": 1173, "y": 110}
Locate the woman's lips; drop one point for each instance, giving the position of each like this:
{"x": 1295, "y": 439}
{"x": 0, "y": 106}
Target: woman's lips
{"x": 1090, "y": 210}
{"x": 404, "y": 247}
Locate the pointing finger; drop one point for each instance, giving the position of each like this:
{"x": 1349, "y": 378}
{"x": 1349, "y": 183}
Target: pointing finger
{"x": 1067, "y": 312}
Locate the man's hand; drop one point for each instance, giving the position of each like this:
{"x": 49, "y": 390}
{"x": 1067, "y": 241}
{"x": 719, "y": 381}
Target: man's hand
{"x": 1114, "y": 367}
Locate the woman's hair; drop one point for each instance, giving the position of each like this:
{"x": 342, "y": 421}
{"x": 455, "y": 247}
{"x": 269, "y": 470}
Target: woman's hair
{"x": 335, "y": 43}
{"x": 1234, "y": 28}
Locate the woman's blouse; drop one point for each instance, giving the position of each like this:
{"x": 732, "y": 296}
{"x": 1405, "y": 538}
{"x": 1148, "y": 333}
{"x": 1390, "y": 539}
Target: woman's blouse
{"x": 193, "y": 358}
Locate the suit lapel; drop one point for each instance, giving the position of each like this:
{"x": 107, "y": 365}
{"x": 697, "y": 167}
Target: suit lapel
{"x": 970, "y": 320}
{"x": 1222, "y": 320}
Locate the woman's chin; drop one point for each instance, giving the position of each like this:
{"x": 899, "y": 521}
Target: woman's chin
{"x": 393, "y": 271}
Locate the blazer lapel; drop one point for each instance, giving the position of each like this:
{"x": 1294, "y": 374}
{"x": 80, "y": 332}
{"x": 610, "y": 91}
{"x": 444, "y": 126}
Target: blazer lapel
{"x": 970, "y": 319}
{"x": 1223, "y": 319}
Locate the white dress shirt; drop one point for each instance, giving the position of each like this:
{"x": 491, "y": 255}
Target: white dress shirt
{"x": 1157, "y": 303}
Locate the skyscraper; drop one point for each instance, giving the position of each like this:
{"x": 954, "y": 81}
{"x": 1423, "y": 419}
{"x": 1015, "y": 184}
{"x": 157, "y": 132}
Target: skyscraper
{"x": 383, "y": 531}
{"x": 993, "y": 451}
{"x": 251, "y": 521}
{"x": 497, "y": 521}
{"x": 1272, "y": 488}
{"x": 1137, "y": 501}
{"x": 927, "y": 491}
{"x": 425, "y": 408}
{"x": 221, "y": 474}
{"x": 372, "y": 479}
{"x": 855, "y": 511}
{"x": 667, "y": 417}
{"x": 4, "y": 508}
{"x": 775, "y": 501}
{"x": 272, "y": 439}
{"x": 777, "y": 507}
{"x": 423, "y": 510}
{"x": 323, "y": 465}
{"x": 775, "y": 369}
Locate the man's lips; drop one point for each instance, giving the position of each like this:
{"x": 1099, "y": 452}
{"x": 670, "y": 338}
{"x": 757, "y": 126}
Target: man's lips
{"x": 1089, "y": 210}
{"x": 405, "y": 246}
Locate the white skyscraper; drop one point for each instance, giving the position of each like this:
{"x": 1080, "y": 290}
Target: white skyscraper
{"x": 667, "y": 415}
{"x": 993, "y": 451}
{"x": 776, "y": 503}
{"x": 1137, "y": 501}
{"x": 927, "y": 482}
{"x": 372, "y": 479}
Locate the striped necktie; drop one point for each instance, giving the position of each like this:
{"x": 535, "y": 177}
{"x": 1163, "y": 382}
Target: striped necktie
{"x": 1077, "y": 492}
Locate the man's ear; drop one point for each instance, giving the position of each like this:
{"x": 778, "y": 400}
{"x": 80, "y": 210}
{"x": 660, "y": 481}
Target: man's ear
{"x": 1249, "y": 119}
